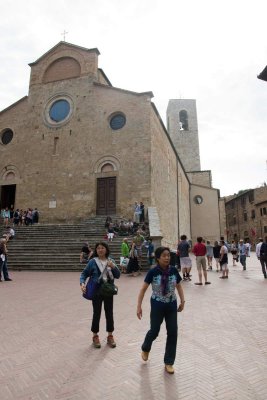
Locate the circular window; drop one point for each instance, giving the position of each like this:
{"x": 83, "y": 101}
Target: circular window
{"x": 59, "y": 110}
{"x": 117, "y": 121}
{"x": 6, "y": 136}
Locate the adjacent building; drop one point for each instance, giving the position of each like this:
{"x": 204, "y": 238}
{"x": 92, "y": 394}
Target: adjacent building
{"x": 246, "y": 215}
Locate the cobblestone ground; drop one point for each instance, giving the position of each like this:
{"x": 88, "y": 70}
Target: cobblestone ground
{"x": 46, "y": 350}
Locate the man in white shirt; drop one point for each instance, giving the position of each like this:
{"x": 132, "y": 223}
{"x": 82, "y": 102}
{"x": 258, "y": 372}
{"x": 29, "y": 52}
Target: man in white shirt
{"x": 258, "y": 248}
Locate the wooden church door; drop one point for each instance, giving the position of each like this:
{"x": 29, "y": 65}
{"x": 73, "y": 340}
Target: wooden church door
{"x": 106, "y": 196}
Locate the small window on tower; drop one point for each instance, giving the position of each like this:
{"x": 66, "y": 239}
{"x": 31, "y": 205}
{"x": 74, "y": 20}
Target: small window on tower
{"x": 183, "y": 120}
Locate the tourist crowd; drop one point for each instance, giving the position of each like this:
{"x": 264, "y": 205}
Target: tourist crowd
{"x": 18, "y": 216}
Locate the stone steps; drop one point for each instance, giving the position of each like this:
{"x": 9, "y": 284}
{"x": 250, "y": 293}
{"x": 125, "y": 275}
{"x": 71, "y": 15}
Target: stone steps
{"x": 58, "y": 246}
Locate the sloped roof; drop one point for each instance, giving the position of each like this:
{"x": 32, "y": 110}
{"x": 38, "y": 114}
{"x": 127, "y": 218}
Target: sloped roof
{"x": 150, "y": 94}
{"x": 14, "y": 104}
{"x": 61, "y": 43}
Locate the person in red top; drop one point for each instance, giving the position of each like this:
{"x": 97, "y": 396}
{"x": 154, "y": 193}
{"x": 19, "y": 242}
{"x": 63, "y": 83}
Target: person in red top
{"x": 200, "y": 250}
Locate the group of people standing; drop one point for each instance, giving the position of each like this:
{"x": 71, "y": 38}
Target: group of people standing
{"x": 131, "y": 254}
{"x": 205, "y": 252}
{"x": 139, "y": 212}
{"x": 19, "y": 216}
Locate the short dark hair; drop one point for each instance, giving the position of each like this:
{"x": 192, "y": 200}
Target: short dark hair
{"x": 199, "y": 239}
{"x": 183, "y": 237}
{"x": 104, "y": 244}
{"x": 160, "y": 250}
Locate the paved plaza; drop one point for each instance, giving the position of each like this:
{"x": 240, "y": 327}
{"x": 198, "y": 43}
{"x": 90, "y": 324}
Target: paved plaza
{"x": 46, "y": 350}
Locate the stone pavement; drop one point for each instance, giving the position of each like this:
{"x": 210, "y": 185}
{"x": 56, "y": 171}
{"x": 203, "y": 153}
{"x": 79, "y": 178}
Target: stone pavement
{"x": 46, "y": 351}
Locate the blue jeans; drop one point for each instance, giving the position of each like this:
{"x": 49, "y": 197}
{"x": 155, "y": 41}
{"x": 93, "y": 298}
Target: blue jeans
{"x": 243, "y": 260}
{"x": 158, "y": 313}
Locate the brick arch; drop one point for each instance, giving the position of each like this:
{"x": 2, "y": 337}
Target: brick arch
{"x": 9, "y": 173}
{"x": 62, "y": 68}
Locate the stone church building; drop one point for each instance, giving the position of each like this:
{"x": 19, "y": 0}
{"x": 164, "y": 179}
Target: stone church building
{"x": 76, "y": 146}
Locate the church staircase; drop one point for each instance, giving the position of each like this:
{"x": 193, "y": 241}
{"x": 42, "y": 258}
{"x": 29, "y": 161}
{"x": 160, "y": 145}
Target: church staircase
{"x": 57, "y": 247}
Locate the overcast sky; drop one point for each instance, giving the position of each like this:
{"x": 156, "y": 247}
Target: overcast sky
{"x": 207, "y": 50}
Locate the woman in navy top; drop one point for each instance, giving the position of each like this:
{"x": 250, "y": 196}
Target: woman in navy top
{"x": 164, "y": 279}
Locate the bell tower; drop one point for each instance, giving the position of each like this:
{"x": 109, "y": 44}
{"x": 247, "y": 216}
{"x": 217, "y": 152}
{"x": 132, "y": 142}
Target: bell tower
{"x": 183, "y": 130}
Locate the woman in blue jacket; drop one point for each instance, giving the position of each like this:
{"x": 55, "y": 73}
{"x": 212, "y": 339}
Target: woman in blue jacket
{"x": 101, "y": 263}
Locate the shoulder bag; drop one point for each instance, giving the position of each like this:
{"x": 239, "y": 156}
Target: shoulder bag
{"x": 92, "y": 287}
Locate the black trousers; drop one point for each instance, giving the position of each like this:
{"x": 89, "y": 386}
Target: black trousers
{"x": 97, "y": 308}
{"x": 263, "y": 261}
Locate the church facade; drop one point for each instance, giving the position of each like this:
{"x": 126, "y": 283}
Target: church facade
{"x": 76, "y": 146}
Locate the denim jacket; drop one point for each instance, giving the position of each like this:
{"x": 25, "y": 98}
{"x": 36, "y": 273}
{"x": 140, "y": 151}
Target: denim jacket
{"x": 92, "y": 269}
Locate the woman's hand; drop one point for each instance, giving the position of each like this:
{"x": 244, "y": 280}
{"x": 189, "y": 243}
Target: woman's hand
{"x": 83, "y": 288}
{"x": 110, "y": 264}
{"x": 181, "y": 306}
{"x": 139, "y": 312}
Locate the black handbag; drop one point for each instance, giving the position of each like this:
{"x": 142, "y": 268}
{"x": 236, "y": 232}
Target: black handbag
{"x": 108, "y": 289}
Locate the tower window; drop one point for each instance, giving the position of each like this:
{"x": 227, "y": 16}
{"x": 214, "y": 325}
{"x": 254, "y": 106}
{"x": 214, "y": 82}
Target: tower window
{"x": 183, "y": 120}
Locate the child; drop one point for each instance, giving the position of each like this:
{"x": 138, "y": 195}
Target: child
{"x": 224, "y": 260}
{"x": 110, "y": 232}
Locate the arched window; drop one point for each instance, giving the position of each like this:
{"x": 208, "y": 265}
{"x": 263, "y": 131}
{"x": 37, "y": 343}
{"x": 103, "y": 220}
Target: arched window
{"x": 107, "y": 168}
{"x": 10, "y": 176}
{"x": 183, "y": 120}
